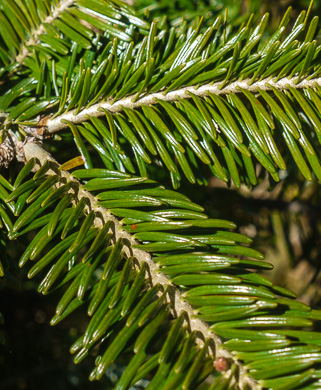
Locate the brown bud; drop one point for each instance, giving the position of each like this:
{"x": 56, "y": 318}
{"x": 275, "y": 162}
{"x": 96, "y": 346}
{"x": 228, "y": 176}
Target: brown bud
{"x": 221, "y": 364}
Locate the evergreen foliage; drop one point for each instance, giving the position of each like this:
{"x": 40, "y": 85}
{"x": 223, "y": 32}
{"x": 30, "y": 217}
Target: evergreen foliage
{"x": 172, "y": 295}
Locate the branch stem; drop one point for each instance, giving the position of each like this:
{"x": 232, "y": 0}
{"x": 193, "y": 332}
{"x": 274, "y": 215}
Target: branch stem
{"x": 56, "y": 124}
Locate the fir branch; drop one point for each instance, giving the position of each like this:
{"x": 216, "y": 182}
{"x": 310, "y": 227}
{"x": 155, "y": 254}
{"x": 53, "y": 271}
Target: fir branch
{"x": 57, "y": 11}
{"x": 201, "y": 328}
{"x": 45, "y": 30}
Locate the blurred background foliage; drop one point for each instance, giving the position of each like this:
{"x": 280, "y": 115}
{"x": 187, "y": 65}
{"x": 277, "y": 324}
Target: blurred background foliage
{"x": 284, "y": 219}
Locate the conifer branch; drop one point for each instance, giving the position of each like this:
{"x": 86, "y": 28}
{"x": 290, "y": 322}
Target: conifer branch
{"x": 63, "y": 5}
{"x": 179, "y": 305}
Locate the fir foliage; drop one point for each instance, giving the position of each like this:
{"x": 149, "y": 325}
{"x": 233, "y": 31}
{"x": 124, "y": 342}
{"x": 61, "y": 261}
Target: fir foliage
{"x": 172, "y": 294}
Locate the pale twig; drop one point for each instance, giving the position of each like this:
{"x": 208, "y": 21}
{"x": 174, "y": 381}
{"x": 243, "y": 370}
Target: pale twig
{"x": 56, "y": 124}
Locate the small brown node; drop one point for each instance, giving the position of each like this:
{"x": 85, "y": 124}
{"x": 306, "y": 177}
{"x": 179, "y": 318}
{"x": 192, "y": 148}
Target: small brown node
{"x": 221, "y": 364}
